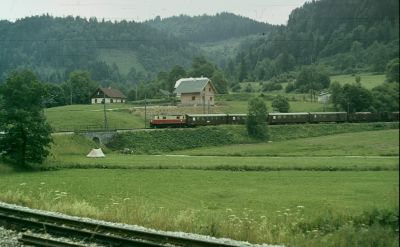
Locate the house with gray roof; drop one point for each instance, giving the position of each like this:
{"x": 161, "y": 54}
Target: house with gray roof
{"x": 195, "y": 91}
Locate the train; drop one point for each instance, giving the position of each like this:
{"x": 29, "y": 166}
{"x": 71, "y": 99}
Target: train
{"x": 193, "y": 120}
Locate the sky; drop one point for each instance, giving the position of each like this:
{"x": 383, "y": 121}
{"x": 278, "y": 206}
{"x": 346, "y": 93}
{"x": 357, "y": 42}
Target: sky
{"x": 271, "y": 11}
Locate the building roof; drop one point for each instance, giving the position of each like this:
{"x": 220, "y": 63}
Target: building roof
{"x": 191, "y": 85}
{"x": 110, "y": 93}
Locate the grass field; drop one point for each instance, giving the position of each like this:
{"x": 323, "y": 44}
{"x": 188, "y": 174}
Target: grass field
{"x": 368, "y": 80}
{"x": 371, "y": 143}
{"x": 224, "y": 204}
{"x": 80, "y": 117}
{"x": 259, "y": 193}
{"x": 327, "y": 153}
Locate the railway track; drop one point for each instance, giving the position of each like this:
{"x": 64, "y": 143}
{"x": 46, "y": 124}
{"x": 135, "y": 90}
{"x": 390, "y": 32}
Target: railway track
{"x": 93, "y": 232}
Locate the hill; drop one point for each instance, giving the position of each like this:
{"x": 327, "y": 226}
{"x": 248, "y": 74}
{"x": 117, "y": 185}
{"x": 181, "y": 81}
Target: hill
{"x": 345, "y": 36}
{"x": 116, "y": 51}
{"x": 206, "y": 28}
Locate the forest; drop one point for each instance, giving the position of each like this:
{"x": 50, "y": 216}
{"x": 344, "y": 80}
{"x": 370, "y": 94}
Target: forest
{"x": 322, "y": 38}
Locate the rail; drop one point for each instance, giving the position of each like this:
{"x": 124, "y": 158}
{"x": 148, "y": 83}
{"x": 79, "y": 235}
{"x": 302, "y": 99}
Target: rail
{"x": 97, "y": 232}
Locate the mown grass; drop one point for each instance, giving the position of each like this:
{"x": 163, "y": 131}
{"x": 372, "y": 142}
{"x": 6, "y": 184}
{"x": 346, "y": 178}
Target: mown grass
{"x": 81, "y": 117}
{"x": 384, "y": 142}
{"x": 291, "y": 207}
{"x": 368, "y": 80}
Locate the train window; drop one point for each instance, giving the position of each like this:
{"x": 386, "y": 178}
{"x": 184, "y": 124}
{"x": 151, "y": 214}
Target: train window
{"x": 273, "y": 117}
{"x": 164, "y": 117}
{"x": 178, "y": 117}
{"x": 233, "y": 118}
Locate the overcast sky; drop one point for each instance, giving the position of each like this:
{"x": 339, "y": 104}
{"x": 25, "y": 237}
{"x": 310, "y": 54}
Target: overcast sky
{"x": 271, "y": 11}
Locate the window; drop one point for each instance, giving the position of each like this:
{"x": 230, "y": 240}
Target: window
{"x": 193, "y": 97}
{"x": 178, "y": 117}
{"x": 95, "y": 100}
{"x": 164, "y": 117}
{"x": 209, "y": 89}
{"x": 112, "y": 101}
{"x": 210, "y": 98}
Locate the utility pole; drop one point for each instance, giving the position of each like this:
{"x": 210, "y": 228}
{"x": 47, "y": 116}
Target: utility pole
{"x": 136, "y": 92}
{"x": 204, "y": 104}
{"x": 105, "y": 114}
{"x": 145, "y": 111}
{"x": 70, "y": 93}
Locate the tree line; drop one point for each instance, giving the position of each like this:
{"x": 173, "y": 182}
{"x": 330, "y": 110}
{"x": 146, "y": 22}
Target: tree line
{"x": 342, "y": 36}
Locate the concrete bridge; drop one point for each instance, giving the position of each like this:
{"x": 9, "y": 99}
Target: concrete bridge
{"x": 102, "y": 136}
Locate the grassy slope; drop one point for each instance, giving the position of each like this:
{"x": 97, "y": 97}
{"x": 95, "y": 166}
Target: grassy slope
{"x": 92, "y": 116}
{"x": 368, "y": 80}
{"x": 167, "y": 140}
{"x": 363, "y": 143}
{"x": 70, "y": 151}
{"x": 125, "y": 60}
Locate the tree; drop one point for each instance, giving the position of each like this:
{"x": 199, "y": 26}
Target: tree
{"x": 27, "y": 134}
{"x": 336, "y": 94}
{"x": 257, "y": 119}
{"x": 242, "y": 71}
{"x": 392, "y": 70}
{"x": 386, "y": 97}
{"x": 312, "y": 79}
{"x": 355, "y": 98}
{"x": 176, "y": 73}
{"x": 281, "y": 104}
{"x": 81, "y": 87}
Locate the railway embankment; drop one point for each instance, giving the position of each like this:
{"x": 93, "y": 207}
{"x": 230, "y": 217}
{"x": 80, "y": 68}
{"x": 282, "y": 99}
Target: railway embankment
{"x": 167, "y": 140}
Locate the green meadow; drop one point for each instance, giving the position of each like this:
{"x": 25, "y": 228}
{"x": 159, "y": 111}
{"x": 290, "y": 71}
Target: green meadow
{"x": 81, "y": 117}
{"x": 368, "y": 80}
{"x": 313, "y": 185}
{"x": 371, "y": 143}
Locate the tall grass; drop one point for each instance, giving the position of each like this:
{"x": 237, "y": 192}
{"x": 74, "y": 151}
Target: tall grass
{"x": 289, "y": 226}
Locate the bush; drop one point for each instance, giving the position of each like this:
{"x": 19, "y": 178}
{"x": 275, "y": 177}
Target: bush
{"x": 256, "y": 119}
{"x": 166, "y": 140}
{"x": 271, "y": 86}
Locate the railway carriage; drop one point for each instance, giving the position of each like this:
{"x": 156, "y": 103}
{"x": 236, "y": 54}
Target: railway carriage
{"x": 237, "y": 118}
{"x": 288, "y": 118}
{"x": 359, "y": 117}
{"x": 328, "y": 117}
{"x": 206, "y": 119}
